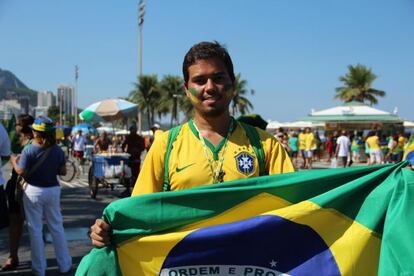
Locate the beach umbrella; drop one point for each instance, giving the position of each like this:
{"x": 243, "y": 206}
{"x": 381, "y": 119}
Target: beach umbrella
{"x": 87, "y": 129}
{"x": 108, "y": 110}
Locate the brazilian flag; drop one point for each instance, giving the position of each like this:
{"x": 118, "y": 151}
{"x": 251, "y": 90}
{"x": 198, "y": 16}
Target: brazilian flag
{"x": 354, "y": 221}
{"x": 409, "y": 151}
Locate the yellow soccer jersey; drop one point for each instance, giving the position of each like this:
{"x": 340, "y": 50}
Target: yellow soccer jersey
{"x": 189, "y": 166}
{"x": 373, "y": 142}
{"x": 309, "y": 141}
{"x": 302, "y": 141}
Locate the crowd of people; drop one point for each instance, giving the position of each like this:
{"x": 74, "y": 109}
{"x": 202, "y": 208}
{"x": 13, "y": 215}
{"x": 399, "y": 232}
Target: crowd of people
{"x": 342, "y": 147}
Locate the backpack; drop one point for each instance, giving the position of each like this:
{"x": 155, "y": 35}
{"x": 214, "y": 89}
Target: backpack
{"x": 251, "y": 133}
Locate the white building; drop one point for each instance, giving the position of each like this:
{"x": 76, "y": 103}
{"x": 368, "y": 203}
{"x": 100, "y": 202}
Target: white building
{"x": 8, "y": 108}
{"x": 66, "y": 99}
{"x": 44, "y": 99}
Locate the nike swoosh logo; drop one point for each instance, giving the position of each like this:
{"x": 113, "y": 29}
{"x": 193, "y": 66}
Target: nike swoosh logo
{"x": 183, "y": 168}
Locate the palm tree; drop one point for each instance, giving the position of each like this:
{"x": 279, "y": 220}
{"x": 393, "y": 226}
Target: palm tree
{"x": 357, "y": 86}
{"x": 240, "y": 103}
{"x": 146, "y": 94}
{"x": 172, "y": 91}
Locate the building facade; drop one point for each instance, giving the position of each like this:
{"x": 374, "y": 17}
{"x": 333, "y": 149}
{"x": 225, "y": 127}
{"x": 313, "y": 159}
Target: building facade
{"x": 45, "y": 99}
{"x": 66, "y": 99}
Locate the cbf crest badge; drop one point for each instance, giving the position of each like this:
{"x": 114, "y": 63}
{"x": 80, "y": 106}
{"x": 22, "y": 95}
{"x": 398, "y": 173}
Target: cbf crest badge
{"x": 245, "y": 163}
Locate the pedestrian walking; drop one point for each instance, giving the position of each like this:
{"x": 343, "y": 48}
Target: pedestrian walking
{"x": 309, "y": 147}
{"x": 134, "y": 145}
{"x": 39, "y": 164}
{"x": 343, "y": 145}
{"x": 293, "y": 143}
{"x": 79, "y": 144}
{"x": 302, "y": 146}
{"x": 374, "y": 145}
{"x": 23, "y": 138}
{"x": 395, "y": 151}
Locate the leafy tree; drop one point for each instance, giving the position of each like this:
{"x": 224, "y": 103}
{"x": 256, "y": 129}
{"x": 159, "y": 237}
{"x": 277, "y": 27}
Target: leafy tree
{"x": 172, "y": 96}
{"x": 357, "y": 86}
{"x": 240, "y": 104}
{"x": 147, "y": 95}
{"x": 53, "y": 113}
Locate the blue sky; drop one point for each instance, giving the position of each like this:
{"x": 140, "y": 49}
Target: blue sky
{"x": 290, "y": 52}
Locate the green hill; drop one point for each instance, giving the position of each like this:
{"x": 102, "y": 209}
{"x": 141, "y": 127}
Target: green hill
{"x": 12, "y": 87}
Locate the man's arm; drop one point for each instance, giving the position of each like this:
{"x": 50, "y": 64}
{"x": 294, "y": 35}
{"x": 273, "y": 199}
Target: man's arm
{"x": 19, "y": 170}
{"x": 337, "y": 148}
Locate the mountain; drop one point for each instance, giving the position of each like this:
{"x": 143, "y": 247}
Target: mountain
{"x": 10, "y": 81}
{"x": 11, "y": 88}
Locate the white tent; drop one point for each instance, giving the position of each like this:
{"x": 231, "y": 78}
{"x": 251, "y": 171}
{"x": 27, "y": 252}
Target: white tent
{"x": 408, "y": 124}
{"x": 294, "y": 125}
{"x": 356, "y": 116}
{"x": 350, "y": 110}
{"x": 274, "y": 124}
{"x": 353, "y": 111}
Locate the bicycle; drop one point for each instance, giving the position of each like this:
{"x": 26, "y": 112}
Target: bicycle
{"x": 71, "y": 170}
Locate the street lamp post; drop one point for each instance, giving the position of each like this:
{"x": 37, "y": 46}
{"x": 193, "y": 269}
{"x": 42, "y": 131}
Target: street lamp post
{"x": 60, "y": 106}
{"x": 141, "y": 13}
{"x": 76, "y": 93}
{"x": 175, "y": 113}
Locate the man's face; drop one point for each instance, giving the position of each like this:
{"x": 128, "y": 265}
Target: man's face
{"x": 18, "y": 126}
{"x": 209, "y": 87}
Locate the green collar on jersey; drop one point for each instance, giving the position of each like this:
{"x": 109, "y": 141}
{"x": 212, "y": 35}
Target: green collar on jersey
{"x": 214, "y": 149}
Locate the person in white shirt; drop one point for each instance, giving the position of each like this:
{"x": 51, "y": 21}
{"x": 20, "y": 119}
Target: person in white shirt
{"x": 343, "y": 145}
{"x": 79, "y": 144}
{"x": 5, "y": 156}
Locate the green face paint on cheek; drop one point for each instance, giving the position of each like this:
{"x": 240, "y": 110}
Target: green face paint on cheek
{"x": 193, "y": 92}
{"x": 193, "y": 95}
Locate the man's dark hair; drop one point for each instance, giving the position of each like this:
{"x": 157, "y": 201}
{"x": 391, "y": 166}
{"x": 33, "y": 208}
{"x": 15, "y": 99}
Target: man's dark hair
{"x": 207, "y": 50}
{"x": 25, "y": 121}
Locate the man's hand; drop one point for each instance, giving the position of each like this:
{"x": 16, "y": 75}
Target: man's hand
{"x": 100, "y": 233}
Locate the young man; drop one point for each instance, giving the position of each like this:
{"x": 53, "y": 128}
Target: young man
{"x": 134, "y": 145}
{"x": 302, "y": 146}
{"x": 343, "y": 145}
{"x": 309, "y": 145}
{"x": 210, "y": 148}
{"x": 375, "y": 152}
{"x": 79, "y": 144}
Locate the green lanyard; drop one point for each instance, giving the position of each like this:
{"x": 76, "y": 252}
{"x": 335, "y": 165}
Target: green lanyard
{"x": 218, "y": 173}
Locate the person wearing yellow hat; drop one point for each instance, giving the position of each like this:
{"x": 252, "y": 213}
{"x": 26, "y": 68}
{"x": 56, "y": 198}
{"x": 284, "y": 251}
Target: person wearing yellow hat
{"x": 39, "y": 164}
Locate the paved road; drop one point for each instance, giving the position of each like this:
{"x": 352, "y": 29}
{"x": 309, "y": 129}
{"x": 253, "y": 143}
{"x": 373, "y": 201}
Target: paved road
{"x": 79, "y": 212}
